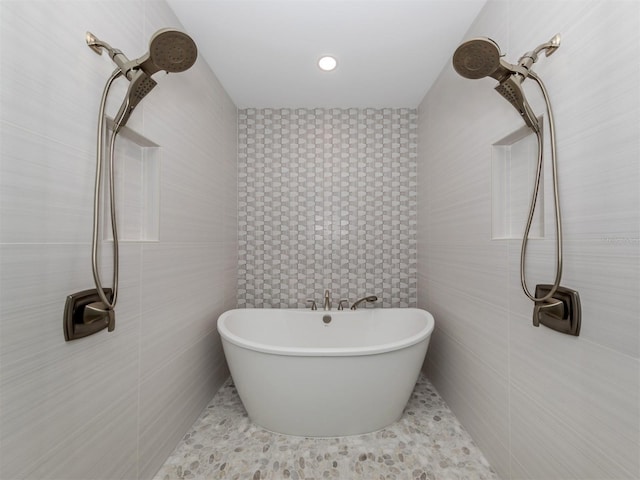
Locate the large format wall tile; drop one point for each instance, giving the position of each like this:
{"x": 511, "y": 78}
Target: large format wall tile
{"x": 590, "y": 390}
{"x": 53, "y": 393}
{"x": 45, "y": 189}
{"x": 112, "y": 405}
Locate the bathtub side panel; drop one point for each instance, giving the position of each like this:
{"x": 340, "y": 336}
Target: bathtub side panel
{"x": 325, "y": 396}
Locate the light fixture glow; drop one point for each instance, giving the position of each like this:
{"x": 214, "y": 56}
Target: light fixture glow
{"x": 327, "y": 63}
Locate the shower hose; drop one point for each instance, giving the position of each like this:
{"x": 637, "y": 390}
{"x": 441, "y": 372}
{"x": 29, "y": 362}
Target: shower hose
{"x": 108, "y": 303}
{"x": 534, "y": 196}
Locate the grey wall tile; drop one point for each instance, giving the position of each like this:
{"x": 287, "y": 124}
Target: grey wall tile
{"x": 560, "y": 407}
{"x": 112, "y": 405}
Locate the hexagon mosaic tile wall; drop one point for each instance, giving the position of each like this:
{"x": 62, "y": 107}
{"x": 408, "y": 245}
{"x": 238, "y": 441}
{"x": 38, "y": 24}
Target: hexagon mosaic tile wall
{"x": 327, "y": 200}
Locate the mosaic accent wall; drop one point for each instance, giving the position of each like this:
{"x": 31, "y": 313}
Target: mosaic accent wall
{"x": 327, "y": 200}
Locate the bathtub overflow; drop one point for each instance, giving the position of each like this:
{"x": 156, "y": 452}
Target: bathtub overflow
{"x": 326, "y": 318}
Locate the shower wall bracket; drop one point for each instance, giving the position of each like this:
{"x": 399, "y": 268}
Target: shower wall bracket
{"x": 82, "y": 319}
{"x": 561, "y": 313}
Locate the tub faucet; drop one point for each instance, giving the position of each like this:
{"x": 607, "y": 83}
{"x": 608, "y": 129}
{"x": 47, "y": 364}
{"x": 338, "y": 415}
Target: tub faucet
{"x": 371, "y": 298}
{"x": 327, "y": 300}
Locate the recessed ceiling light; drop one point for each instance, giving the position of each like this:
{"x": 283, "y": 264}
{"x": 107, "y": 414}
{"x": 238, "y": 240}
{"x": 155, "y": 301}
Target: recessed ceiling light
{"x": 327, "y": 63}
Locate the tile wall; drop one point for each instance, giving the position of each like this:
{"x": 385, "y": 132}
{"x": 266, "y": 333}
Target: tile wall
{"x": 540, "y": 404}
{"x": 113, "y": 405}
{"x": 327, "y": 201}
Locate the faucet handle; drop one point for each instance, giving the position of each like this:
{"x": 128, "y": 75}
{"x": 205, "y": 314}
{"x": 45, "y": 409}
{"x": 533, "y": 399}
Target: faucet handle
{"x": 313, "y": 304}
{"x": 343, "y": 300}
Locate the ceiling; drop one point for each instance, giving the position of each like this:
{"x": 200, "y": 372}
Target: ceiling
{"x": 265, "y": 52}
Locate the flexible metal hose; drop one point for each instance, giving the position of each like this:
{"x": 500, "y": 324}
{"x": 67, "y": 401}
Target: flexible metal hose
{"x": 534, "y": 196}
{"x": 109, "y": 305}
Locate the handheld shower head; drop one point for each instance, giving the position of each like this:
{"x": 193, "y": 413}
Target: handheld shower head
{"x": 480, "y": 57}
{"x": 511, "y": 89}
{"x": 170, "y": 50}
{"x": 141, "y": 84}
{"x": 477, "y": 58}
{"x": 369, "y": 299}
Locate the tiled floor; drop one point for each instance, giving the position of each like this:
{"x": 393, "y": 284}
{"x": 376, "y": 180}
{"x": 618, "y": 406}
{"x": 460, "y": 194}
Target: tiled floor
{"x": 428, "y": 442}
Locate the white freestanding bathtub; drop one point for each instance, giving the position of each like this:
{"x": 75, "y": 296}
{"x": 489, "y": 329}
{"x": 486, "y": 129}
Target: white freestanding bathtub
{"x": 325, "y": 373}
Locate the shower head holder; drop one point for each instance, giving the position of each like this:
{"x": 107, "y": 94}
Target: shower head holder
{"x": 125, "y": 65}
{"x": 95, "y": 44}
{"x": 529, "y": 58}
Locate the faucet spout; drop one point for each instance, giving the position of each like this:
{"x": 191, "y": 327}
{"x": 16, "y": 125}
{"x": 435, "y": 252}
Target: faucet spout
{"x": 327, "y": 300}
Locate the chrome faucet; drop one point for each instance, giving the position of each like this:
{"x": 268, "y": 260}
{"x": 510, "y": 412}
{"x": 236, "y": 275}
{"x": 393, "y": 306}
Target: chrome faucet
{"x": 327, "y": 300}
{"x": 371, "y": 298}
{"x": 343, "y": 300}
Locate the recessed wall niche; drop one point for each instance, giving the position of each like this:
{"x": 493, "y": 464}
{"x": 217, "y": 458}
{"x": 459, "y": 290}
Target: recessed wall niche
{"x": 137, "y": 187}
{"x": 513, "y": 165}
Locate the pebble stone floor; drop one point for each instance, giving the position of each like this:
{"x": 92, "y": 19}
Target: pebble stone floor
{"x": 428, "y": 442}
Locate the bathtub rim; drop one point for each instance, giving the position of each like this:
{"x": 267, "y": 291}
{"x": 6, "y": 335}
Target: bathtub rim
{"x": 420, "y": 336}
